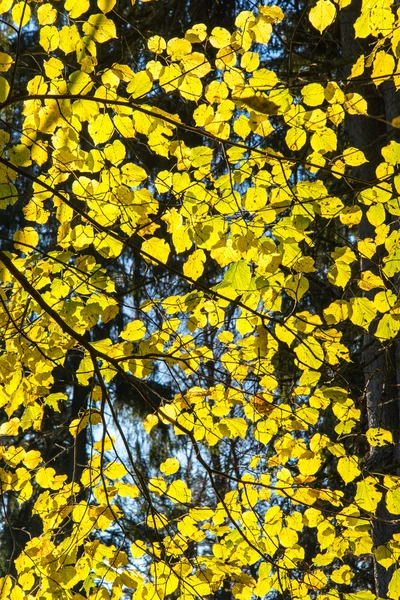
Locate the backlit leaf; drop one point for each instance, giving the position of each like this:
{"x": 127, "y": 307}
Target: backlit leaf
{"x": 170, "y": 466}
{"x": 322, "y": 14}
{"x": 379, "y": 437}
{"x": 21, "y": 14}
{"x": 348, "y": 468}
{"x": 99, "y": 28}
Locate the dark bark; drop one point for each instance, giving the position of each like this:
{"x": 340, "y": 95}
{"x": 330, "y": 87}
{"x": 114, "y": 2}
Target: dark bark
{"x": 378, "y": 362}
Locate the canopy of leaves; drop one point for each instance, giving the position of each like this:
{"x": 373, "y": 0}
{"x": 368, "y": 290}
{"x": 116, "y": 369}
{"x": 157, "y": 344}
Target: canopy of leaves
{"x": 270, "y": 492}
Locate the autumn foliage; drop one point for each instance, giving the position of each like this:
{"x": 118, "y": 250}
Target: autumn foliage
{"x": 278, "y": 239}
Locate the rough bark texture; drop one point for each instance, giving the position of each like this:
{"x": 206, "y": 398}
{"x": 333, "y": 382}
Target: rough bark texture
{"x": 379, "y": 363}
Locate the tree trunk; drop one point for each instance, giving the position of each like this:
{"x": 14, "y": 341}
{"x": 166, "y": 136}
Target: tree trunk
{"x": 381, "y": 377}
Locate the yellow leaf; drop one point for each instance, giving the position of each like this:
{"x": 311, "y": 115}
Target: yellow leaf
{"x": 271, "y": 14}
{"x": 367, "y": 248}
{"x": 296, "y": 286}
{"x": 26, "y": 239}
{"x": 179, "y": 492}
{"x": 140, "y": 85}
{"x": 384, "y": 65}
{"x": 101, "y": 128}
{"x": 156, "y": 44}
{"x": 157, "y": 521}
{"x": 376, "y": 214}
{"x": 115, "y": 470}
{"x": 394, "y": 586}
{"x": 49, "y": 38}
{"x": 295, "y": 138}
{"x": 134, "y": 331}
{"x": 368, "y": 495}
{"x": 127, "y": 490}
{"x": 358, "y": 68}
{"x": 138, "y": 548}
{"x": 350, "y": 215}
{"x": 21, "y": 14}
{"x": 362, "y": 311}
{"x": 262, "y": 79}
{"x": 324, "y": 140}
{"x": 265, "y": 430}
{"x": 177, "y": 48}
{"x": 393, "y": 501}
{"x": 190, "y": 87}
{"x": 369, "y": 281}
{"x": 45, "y": 477}
{"x": 322, "y": 14}
{"x": 194, "y": 266}
{"x": 237, "y": 427}
{"x": 310, "y": 354}
{"x": 342, "y": 575}
{"x": 250, "y": 61}
{"x": 156, "y": 248}
{"x": 313, "y": 94}
{"x": 48, "y": 479}
{"x": 4, "y": 89}
{"x": 347, "y": 468}
{"x": 169, "y": 77}
{"x": 329, "y": 207}
{"x": 197, "y": 33}
{"x": 69, "y": 39}
{"x": 46, "y": 14}
{"x": 288, "y": 537}
{"x": 385, "y": 557}
{"x": 32, "y": 417}
{"x": 354, "y": 157}
{"x": 76, "y": 8}
{"x": 388, "y": 328}
{"x": 355, "y": 104}
{"x": 255, "y": 199}
{"x": 5, "y": 61}
{"x": 149, "y": 422}
{"x": 133, "y": 175}
{"x": 26, "y": 580}
{"x": 241, "y": 126}
{"x": 201, "y": 514}
{"x": 106, "y": 5}
{"x": 326, "y": 534}
{"x": 261, "y": 30}
{"x": 11, "y": 427}
{"x": 5, "y": 5}
{"x": 53, "y": 68}
{"x": 220, "y": 37}
{"x": 99, "y": 28}
{"x": 377, "y": 436}
{"x": 31, "y": 459}
{"x": 237, "y": 277}
{"x": 384, "y": 301}
{"x": 124, "y": 126}
{"x": 170, "y": 466}
{"x": 80, "y": 83}
{"x": 20, "y": 155}
{"x": 309, "y": 463}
